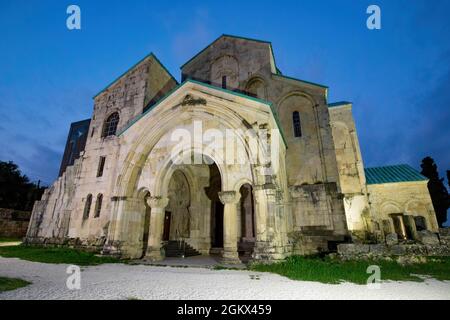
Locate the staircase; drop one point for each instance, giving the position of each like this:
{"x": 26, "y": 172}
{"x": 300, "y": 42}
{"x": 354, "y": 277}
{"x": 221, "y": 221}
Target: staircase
{"x": 179, "y": 249}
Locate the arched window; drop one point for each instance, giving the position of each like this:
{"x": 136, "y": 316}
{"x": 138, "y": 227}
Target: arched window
{"x": 87, "y": 206}
{"x": 110, "y": 126}
{"x": 98, "y": 206}
{"x": 296, "y": 123}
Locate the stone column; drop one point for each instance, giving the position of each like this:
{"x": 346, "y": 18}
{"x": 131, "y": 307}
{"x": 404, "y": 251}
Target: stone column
{"x": 265, "y": 199}
{"x": 410, "y": 224}
{"x": 230, "y": 200}
{"x": 154, "y": 248}
{"x": 247, "y": 206}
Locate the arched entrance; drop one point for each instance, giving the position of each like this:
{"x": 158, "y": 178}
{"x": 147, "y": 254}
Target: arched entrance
{"x": 145, "y": 236}
{"x": 247, "y": 219}
{"x": 177, "y": 215}
{"x": 212, "y": 191}
{"x": 189, "y": 216}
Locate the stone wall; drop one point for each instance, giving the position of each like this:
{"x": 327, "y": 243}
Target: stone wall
{"x": 431, "y": 244}
{"x": 91, "y": 245}
{"x": 13, "y": 223}
{"x": 59, "y": 214}
{"x": 410, "y": 199}
{"x": 352, "y": 179}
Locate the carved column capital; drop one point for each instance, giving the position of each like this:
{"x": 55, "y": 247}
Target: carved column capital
{"x": 157, "y": 202}
{"x": 229, "y": 197}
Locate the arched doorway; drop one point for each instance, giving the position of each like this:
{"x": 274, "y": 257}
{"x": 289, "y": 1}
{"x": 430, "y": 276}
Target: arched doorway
{"x": 177, "y": 215}
{"x": 192, "y": 222}
{"x": 146, "y": 233}
{"x": 247, "y": 217}
{"x": 212, "y": 191}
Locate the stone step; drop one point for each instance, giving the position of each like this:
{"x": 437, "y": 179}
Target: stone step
{"x": 180, "y": 249}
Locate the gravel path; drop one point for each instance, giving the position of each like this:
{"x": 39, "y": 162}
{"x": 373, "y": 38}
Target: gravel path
{"x": 118, "y": 281}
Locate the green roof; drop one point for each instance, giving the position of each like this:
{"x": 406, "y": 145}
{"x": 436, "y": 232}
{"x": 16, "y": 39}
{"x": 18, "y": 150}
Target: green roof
{"x": 151, "y": 54}
{"x": 300, "y": 80}
{"x": 338, "y": 104}
{"x": 392, "y": 174}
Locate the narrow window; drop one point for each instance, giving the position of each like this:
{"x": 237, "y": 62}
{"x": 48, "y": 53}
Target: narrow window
{"x": 101, "y": 166}
{"x": 224, "y": 82}
{"x": 87, "y": 206}
{"x": 110, "y": 126}
{"x": 297, "y": 126}
{"x": 98, "y": 206}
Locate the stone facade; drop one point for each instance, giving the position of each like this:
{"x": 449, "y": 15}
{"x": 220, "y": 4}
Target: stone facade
{"x": 13, "y": 223}
{"x": 129, "y": 194}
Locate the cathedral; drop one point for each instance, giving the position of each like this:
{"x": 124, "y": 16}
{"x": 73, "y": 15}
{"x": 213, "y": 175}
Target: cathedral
{"x": 149, "y": 174}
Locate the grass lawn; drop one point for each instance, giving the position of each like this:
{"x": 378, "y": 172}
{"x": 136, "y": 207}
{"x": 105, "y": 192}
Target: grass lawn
{"x": 55, "y": 255}
{"x": 333, "y": 271}
{"x": 7, "y": 284}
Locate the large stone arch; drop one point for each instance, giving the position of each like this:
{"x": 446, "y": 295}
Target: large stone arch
{"x": 147, "y": 138}
{"x": 225, "y": 65}
{"x": 128, "y": 208}
{"x": 140, "y": 142}
{"x": 390, "y": 207}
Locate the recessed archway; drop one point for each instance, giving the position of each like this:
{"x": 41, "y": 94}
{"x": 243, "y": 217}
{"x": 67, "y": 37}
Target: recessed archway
{"x": 247, "y": 217}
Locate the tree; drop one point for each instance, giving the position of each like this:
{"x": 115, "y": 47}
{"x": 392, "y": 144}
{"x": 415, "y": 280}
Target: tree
{"x": 448, "y": 178}
{"x": 16, "y": 190}
{"x": 438, "y": 191}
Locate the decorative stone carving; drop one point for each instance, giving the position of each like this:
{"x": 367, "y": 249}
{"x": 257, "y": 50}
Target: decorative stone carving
{"x": 229, "y": 197}
{"x": 191, "y": 101}
{"x": 157, "y": 202}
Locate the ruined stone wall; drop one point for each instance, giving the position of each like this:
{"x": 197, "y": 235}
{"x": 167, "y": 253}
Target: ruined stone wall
{"x": 407, "y": 198}
{"x": 400, "y": 252}
{"x": 13, "y": 223}
{"x": 352, "y": 179}
{"x": 317, "y": 218}
{"x": 51, "y": 215}
{"x": 59, "y": 214}
{"x": 128, "y": 96}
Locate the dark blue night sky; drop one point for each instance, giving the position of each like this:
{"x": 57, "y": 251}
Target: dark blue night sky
{"x": 398, "y": 78}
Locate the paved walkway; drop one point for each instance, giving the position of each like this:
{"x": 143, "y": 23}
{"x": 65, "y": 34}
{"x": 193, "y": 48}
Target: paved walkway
{"x": 119, "y": 281}
{"x": 209, "y": 261}
{"x": 10, "y": 244}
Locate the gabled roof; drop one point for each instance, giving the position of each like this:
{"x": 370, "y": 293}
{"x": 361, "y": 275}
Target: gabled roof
{"x": 274, "y": 112}
{"x": 151, "y": 54}
{"x": 235, "y": 37}
{"x": 392, "y": 174}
